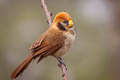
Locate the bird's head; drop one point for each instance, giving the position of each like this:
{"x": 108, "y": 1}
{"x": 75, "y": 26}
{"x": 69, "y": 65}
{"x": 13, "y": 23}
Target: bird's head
{"x": 63, "y": 21}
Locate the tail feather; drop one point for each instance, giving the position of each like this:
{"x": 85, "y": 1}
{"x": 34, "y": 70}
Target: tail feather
{"x": 18, "y": 71}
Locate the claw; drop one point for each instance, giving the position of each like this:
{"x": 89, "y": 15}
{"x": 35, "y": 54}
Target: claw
{"x": 61, "y": 62}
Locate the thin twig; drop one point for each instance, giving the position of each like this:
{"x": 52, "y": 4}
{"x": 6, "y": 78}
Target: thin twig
{"x": 48, "y": 14}
{"x": 61, "y": 64}
{"x": 63, "y": 68}
{"x": 64, "y": 71}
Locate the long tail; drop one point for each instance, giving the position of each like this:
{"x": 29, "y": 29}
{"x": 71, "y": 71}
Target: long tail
{"x": 18, "y": 71}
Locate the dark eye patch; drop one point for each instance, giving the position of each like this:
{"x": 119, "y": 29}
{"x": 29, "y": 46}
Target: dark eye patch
{"x": 61, "y": 27}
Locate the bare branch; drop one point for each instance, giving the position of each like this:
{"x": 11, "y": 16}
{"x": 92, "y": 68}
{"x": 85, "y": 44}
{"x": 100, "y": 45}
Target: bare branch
{"x": 48, "y": 14}
{"x": 61, "y": 63}
{"x": 63, "y": 68}
{"x": 64, "y": 71}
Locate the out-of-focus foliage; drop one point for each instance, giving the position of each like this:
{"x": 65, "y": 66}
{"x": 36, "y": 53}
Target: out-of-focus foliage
{"x": 22, "y": 22}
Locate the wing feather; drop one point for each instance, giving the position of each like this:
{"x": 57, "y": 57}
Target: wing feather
{"x": 37, "y": 45}
{"x": 47, "y": 44}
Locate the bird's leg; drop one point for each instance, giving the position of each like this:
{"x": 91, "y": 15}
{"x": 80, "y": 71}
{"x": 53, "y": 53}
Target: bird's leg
{"x": 61, "y": 62}
{"x": 63, "y": 68}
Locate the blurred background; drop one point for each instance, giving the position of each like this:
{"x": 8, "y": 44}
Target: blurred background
{"x": 95, "y": 54}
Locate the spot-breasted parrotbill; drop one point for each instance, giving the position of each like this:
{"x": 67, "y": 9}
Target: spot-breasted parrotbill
{"x": 56, "y": 41}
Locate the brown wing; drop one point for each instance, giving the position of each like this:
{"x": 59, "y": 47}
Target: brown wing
{"x": 46, "y": 51}
{"x": 47, "y": 44}
{"x": 46, "y": 48}
{"x": 37, "y": 44}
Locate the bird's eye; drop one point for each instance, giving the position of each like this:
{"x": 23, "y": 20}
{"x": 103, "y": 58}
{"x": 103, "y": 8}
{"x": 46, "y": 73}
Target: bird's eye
{"x": 66, "y": 22}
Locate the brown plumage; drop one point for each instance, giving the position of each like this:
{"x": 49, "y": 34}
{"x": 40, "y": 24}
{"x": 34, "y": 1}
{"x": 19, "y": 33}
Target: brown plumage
{"x": 21, "y": 67}
{"x": 55, "y": 42}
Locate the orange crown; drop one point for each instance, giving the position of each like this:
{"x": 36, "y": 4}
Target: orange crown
{"x": 62, "y": 16}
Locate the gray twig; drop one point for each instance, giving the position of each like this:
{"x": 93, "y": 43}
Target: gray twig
{"x": 64, "y": 71}
{"x": 63, "y": 68}
{"x": 61, "y": 65}
{"x": 48, "y": 14}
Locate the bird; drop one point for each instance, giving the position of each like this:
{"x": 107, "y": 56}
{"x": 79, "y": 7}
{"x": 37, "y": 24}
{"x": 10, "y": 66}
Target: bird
{"x": 55, "y": 41}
